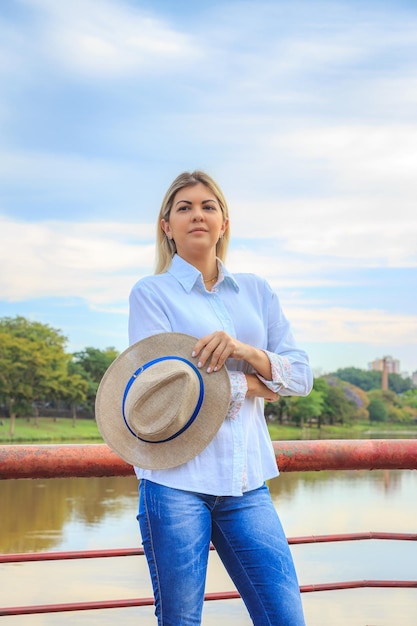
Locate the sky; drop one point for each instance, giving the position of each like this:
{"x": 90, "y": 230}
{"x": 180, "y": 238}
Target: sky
{"x": 304, "y": 112}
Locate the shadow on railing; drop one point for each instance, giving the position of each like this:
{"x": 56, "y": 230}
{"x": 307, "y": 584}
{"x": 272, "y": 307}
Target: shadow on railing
{"x": 58, "y": 461}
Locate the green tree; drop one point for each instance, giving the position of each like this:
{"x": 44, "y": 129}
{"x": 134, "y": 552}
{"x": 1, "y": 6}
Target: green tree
{"x": 277, "y": 411}
{"x": 91, "y": 364}
{"x": 343, "y": 401}
{"x": 15, "y": 388}
{"x": 33, "y": 365}
{"x": 409, "y": 404}
{"x": 396, "y": 406}
{"x": 337, "y": 409}
{"x": 398, "y": 384}
{"x": 320, "y": 384}
{"x": 364, "y": 379}
{"x": 409, "y": 398}
{"x": 306, "y": 408}
{"x": 76, "y": 388}
{"x": 377, "y": 410}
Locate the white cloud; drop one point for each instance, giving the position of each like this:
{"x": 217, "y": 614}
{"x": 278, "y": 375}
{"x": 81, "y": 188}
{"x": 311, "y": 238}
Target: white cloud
{"x": 63, "y": 258}
{"x": 394, "y": 91}
{"x": 348, "y": 325}
{"x": 327, "y": 55}
{"x": 106, "y": 39}
{"x": 278, "y": 268}
{"x": 96, "y": 262}
{"x": 363, "y": 155}
{"x": 99, "y": 262}
{"x": 346, "y": 231}
{"x": 361, "y": 195}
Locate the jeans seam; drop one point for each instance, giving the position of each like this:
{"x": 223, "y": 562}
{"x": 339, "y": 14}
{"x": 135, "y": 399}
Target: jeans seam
{"x": 151, "y": 542}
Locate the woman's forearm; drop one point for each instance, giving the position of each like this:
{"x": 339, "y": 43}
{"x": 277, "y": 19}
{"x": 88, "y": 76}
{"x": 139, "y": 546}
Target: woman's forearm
{"x": 259, "y": 360}
{"x": 257, "y": 388}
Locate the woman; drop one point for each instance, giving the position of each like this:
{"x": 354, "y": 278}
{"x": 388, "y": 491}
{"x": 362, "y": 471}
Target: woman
{"x": 220, "y": 495}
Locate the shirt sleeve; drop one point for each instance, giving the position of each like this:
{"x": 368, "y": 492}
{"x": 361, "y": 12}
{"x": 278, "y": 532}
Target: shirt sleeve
{"x": 281, "y": 371}
{"x": 291, "y": 371}
{"x": 146, "y": 312}
{"x": 239, "y": 387}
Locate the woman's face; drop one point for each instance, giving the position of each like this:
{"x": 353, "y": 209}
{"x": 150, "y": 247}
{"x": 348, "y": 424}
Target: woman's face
{"x": 195, "y": 221}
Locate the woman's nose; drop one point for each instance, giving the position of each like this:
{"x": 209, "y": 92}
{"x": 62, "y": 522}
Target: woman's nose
{"x": 198, "y": 214}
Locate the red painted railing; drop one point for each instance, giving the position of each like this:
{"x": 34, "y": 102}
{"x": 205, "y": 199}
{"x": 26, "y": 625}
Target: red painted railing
{"x": 57, "y": 461}
{"x": 76, "y": 460}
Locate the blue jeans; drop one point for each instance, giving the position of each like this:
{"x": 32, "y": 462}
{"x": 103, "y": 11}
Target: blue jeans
{"x": 177, "y": 527}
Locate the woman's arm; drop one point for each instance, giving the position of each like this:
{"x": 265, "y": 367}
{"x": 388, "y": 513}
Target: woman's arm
{"x": 257, "y": 388}
{"x": 281, "y": 365}
{"x": 213, "y": 350}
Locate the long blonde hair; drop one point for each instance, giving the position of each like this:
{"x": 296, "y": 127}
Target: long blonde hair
{"x": 165, "y": 248}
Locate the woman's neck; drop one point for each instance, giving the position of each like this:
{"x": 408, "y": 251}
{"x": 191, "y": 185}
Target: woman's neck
{"x": 207, "y": 267}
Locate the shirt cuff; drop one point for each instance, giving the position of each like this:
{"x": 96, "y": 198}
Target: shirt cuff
{"x": 239, "y": 388}
{"x": 281, "y": 372}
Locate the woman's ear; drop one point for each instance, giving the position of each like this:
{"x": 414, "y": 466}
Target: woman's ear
{"x": 225, "y": 226}
{"x": 166, "y": 228}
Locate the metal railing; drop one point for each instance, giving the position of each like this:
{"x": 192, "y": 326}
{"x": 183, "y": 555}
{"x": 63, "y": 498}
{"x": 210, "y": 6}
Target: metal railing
{"x": 58, "y": 461}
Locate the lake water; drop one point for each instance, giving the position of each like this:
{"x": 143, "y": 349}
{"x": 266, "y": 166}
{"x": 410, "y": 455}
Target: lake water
{"x": 93, "y": 513}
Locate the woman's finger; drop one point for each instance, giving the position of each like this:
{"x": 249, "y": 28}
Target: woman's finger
{"x": 213, "y": 349}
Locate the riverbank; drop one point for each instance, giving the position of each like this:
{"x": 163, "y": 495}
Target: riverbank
{"x": 63, "y": 430}
{"x": 358, "y": 430}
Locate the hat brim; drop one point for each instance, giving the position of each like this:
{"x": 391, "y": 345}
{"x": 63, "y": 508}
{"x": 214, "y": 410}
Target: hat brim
{"x": 188, "y": 444}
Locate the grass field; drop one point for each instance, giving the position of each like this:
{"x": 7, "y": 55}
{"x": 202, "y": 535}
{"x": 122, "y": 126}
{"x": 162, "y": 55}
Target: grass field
{"x": 50, "y": 430}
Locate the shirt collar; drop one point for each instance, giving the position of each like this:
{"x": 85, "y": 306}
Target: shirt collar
{"x": 188, "y": 275}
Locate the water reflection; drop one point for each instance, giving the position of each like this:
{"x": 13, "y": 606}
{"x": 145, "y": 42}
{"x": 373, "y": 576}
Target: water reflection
{"x": 38, "y": 510}
{"x": 91, "y": 513}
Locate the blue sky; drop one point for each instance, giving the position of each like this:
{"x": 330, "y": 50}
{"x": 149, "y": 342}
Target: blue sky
{"x": 305, "y": 113}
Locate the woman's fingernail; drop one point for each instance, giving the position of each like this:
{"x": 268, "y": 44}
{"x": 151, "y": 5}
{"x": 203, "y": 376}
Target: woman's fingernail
{"x": 199, "y": 364}
{"x": 193, "y": 353}
{"x": 208, "y": 370}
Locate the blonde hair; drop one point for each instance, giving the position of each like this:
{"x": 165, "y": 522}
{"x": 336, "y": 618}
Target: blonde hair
{"x": 165, "y": 248}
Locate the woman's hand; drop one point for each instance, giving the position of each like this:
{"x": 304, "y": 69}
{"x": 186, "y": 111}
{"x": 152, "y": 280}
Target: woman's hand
{"x": 257, "y": 388}
{"x": 214, "y": 349}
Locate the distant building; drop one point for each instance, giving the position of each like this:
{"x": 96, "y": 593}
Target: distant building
{"x": 392, "y": 365}
{"x": 414, "y": 378}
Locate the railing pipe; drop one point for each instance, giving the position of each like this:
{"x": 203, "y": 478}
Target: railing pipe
{"x": 222, "y": 595}
{"x": 30, "y": 557}
{"x": 81, "y": 460}
{"x": 346, "y": 454}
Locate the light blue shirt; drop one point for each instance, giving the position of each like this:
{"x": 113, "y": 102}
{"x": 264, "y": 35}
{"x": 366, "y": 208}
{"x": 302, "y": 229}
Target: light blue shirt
{"x": 241, "y": 456}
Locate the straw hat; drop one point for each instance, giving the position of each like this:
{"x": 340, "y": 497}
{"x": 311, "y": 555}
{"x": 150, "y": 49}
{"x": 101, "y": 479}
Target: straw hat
{"x": 154, "y": 408}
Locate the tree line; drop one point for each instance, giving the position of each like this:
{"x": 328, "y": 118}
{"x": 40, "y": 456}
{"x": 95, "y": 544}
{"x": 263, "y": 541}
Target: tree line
{"x": 37, "y": 374}
{"x": 349, "y": 395}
